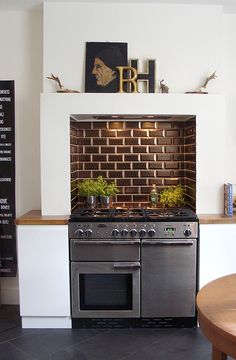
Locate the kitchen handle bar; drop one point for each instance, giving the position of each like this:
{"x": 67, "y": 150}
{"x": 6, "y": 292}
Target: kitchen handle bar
{"x": 129, "y": 265}
{"x": 168, "y": 242}
{"x": 104, "y": 242}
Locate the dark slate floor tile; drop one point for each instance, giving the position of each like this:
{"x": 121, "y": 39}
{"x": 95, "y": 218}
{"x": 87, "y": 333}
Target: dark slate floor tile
{"x": 184, "y": 344}
{"x": 43, "y": 342}
{"x": 68, "y": 354}
{"x": 119, "y": 343}
{"x": 10, "y": 352}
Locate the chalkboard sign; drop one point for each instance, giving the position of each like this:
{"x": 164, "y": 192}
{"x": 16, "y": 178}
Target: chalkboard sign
{"x": 7, "y": 180}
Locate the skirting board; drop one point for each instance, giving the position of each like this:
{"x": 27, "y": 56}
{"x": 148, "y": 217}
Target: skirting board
{"x": 37, "y": 322}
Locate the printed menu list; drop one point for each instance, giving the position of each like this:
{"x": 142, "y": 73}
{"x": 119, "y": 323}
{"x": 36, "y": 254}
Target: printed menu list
{"x": 7, "y": 180}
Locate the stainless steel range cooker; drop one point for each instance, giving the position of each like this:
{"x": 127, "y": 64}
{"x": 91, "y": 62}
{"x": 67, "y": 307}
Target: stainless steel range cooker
{"x": 133, "y": 267}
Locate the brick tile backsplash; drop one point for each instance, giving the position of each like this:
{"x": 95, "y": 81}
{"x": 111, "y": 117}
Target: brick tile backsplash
{"x": 135, "y": 154}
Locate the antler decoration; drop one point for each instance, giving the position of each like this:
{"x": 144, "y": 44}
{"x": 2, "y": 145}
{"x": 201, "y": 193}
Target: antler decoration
{"x": 164, "y": 88}
{"x": 211, "y": 77}
{"x": 62, "y": 89}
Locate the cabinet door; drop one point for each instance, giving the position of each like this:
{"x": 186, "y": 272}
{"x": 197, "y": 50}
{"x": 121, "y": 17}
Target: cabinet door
{"x": 43, "y": 262}
{"x": 217, "y": 252}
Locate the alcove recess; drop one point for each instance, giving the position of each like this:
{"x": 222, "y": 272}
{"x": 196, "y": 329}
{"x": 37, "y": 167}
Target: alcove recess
{"x": 134, "y": 152}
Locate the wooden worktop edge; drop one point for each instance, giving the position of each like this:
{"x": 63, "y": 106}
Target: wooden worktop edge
{"x": 34, "y": 217}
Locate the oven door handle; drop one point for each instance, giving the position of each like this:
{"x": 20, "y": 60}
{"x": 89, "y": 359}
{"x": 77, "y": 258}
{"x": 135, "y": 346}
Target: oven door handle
{"x": 128, "y": 265}
{"x": 104, "y": 242}
{"x": 168, "y": 242}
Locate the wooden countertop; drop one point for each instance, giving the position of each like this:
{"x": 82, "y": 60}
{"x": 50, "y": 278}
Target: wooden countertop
{"x": 34, "y": 217}
{"x": 216, "y": 303}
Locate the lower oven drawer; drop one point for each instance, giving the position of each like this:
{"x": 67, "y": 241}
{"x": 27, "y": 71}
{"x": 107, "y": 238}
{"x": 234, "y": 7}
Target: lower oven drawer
{"x": 104, "y": 250}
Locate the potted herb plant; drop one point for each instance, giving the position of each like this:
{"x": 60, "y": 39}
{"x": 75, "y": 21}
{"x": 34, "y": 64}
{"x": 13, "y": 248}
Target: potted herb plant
{"x": 89, "y": 190}
{"x": 173, "y": 196}
{"x": 106, "y": 191}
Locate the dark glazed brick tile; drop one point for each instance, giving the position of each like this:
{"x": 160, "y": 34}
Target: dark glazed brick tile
{"x": 145, "y": 190}
{"x": 123, "y": 149}
{"x": 148, "y": 124}
{"x": 115, "y": 174}
{"x": 158, "y": 182}
{"x": 139, "y": 182}
{"x": 156, "y": 133}
{"x": 147, "y": 173}
{"x": 132, "y": 141}
{"x": 84, "y": 174}
{"x": 140, "y": 133}
{"x": 164, "y": 125}
{"x": 91, "y": 166}
{"x": 131, "y": 157}
{"x": 132, "y": 125}
{"x": 123, "y": 133}
{"x": 172, "y": 133}
{"x": 178, "y": 141}
{"x": 107, "y": 166}
{"x": 84, "y": 141}
{"x": 131, "y": 190}
{"x": 116, "y": 125}
{"x": 131, "y": 174}
{"x": 139, "y": 166}
{"x": 91, "y": 149}
{"x": 164, "y": 157}
{"x": 140, "y": 149}
{"x": 84, "y": 125}
{"x": 92, "y": 133}
{"x": 115, "y": 157}
{"x": 108, "y": 133}
{"x": 155, "y": 165}
{"x": 171, "y": 165}
{"x": 178, "y": 173}
{"x": 148, "y": 141}
{"x": 178, "y": 157}
{"x": 140, "y": 198}
{"x": 164, "y": 173}
{"x": 99, "y": 125}
{"x": 99, "y": 141}
{"x": 85, "y": 158}
{"x": 149, "y": 157}
{"x": 172, "y": 149}
{"x": 121, "y": 166}
{"x": 164, "y": 141}
{"x": 171, "y": 182}
{"x": 155, "y": 149}
{"x": 99, "y": 158}
{"x": 123, "y": 198}
{"x": 116, "y": 141}
{"x": 108, "y": 149}
{"x": 123, "y": 182}
{"x": 99, "y": 173}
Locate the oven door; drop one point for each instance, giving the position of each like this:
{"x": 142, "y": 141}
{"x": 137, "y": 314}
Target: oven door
{"x": 105, "y": 289}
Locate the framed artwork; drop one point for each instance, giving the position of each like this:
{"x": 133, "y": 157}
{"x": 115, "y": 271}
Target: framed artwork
{"x": 102, "y": 58}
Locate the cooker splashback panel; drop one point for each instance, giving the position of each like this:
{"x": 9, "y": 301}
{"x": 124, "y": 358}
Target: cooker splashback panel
{"x": 134, "y": 154}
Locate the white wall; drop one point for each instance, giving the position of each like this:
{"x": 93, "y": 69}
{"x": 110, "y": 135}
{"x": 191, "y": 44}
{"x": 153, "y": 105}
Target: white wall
{"x": 21, "y": 60}
{"x": 185, "y": 40}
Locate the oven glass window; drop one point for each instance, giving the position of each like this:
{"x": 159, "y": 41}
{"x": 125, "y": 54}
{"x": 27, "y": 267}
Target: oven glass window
{"x": 105, "y": 291}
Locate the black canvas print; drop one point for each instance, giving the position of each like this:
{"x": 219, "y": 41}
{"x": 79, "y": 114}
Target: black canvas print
{"x": 101, "y": 61}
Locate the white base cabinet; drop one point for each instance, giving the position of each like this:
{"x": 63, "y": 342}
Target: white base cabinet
{"x": 217, "y": 252}
{"x": 43, "y": 264}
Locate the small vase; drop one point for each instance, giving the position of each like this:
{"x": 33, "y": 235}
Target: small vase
{"x": 106, "y": 202}
{"x": 90, "y": 202}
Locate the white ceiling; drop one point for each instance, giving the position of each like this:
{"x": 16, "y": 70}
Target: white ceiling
{"x": 9, "y": 5}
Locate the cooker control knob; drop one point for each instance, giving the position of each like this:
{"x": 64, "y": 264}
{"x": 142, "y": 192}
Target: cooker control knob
{"x": 88, "y": 232}
{"x": 151, "y": 232}
{"x": 79, "y": 232}
{"x": 124, "y": 232}
{"x": 187, "y": 232}
{"x": 115, "y": 232}
{"x": 142, "y": 232}
{"x": 133, "y": 232}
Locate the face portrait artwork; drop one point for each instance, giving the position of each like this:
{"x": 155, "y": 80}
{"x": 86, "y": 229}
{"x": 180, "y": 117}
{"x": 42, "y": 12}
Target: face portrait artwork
{"x": 101, "y": 62}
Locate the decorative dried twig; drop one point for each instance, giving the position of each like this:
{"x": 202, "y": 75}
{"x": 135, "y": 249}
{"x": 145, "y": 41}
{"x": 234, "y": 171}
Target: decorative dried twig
{"x": 211, "y": 77}
{"x": 62, "y": 89}
{"x": 164, "y": 88}
{"x": 202, "y": 89}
